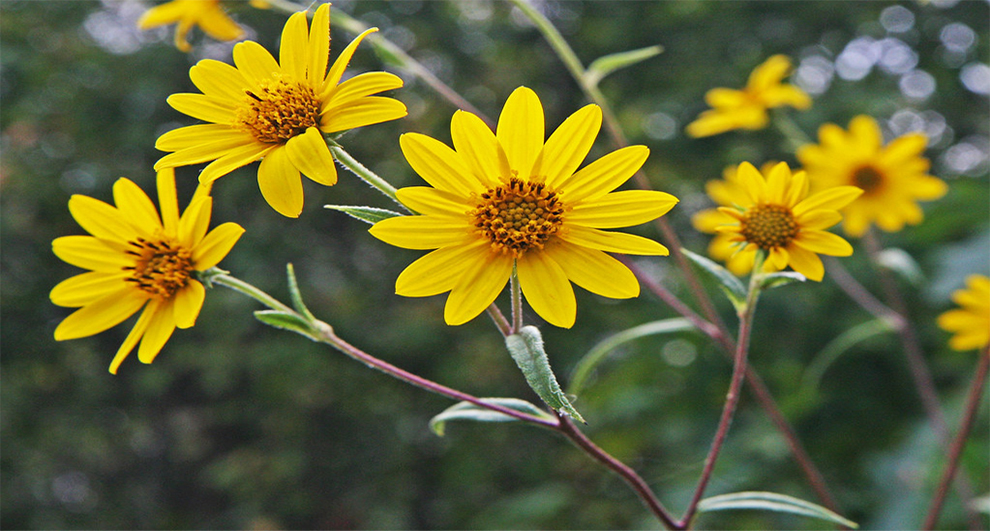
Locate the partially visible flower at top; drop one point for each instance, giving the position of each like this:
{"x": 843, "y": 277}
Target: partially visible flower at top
{"x": 971, "y": 322}
{"x": 138, "y": 259}
{"x": 775, "y": 214}
{"x": 207, "y": 14}
{"x": 727, "y": 192}
{"x": 513, "y": 200}
{"x": 747, "y": 108}
{"x": 277, "y": 113}
{"x": 893, "y": 177}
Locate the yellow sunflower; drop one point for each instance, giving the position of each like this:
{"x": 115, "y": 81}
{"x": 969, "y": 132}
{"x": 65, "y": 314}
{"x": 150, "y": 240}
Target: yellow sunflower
{"x": 138, "y": 259}
{"x": 894, "y": 177}
{"x": 775, "y": 214}
{"x": 506, "y": 201}
{"x": 747, "y": 108}
{"x": 278, "y": 113}
{"x": 727, "y": 192}
{"x": 971, "y": 323}
{"x": 207, "y": 14}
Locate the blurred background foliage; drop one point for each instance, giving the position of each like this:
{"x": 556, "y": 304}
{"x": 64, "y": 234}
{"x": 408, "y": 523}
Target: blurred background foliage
{"x": 237, "y": 425}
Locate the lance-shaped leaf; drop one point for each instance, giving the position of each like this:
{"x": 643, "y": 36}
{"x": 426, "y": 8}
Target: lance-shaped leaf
{"x": 295, "y": 294}
{"x": 731, "y": 286}
{"x": 284, "y": 321}
{"x": 781, "y": 278}
{"x": 469, "y": 411}
{"x": 370, "y": 215}
{"x": 771, "y": 501}
{"x": 526, "y": 347}
{"x": 605, "y": 65}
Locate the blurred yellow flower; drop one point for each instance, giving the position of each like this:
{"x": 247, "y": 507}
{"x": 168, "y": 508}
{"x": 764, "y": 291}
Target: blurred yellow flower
{"x": 207, "y": 14}
{"x": 138, "y": 259}
{"x": 277, "y": 113}
{"x": 506, "y": 201}
{"x": 747, "y": 108}
{"x": 971, "y": 322}
{"x": 893, "y": 177}
{"x": 776, "y": 215}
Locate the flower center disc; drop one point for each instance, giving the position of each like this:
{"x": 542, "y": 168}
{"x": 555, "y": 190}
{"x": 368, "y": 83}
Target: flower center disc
{"x": 518, "y": 216}
{"x": 769, "y": 226}
{"x": 160, "y": 269}
{"x": 279, "y": 111}
{"x": 867, "y": 178}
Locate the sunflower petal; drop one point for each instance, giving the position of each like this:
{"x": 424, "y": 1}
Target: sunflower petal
{"x": 430, "y": 201}
{"x": 85, "y": 288}
{"x": 215, "y": 245}
{"x": 100, "y": 315}
{"x": 202, "y": 107}
{"x": 235, "y": 158}
{"x": 359, "y": 113}
{"x": 439, "y": 271}
{"x": 362, "y": 85}
{"x": 546, "y": 288}
{"x": 807, "y": 263}
{"x": 822, "y": 242}
{"x": 595, "y": 271}
{"x": 100, "y": 219}
{"x": 753, "y": 182}
{"x": 309, "y": 153}
{"x": 202, "y": 134}
{"x": 613, "y": 242}
{"x": 195, "y": 222}
{"x": 604, "y": 175}
{"x": 159, "y": 330}
{"x": 218, "y": 79}
{"x": 438, "y": 165}
{"x": 621, "y": 209}
{"x": 479, "y": 148}
{"x": 484, "y": 277}
{"x": 292, "y": 53}
{"x": 280, "y": 183}
{"x": 421, "y": 232}
{"x": 136, "y": 207}
{"x": 520, "y": 130}
{"x": 90, "y": 253}
{"x": 187, "y": 304}
{"x": 318, "y": 49}
{"x": 831, "y": 199}
{"x": 135, "y": 335}
{"x": 569, "y": 145}
{"x": 254, "y": 62}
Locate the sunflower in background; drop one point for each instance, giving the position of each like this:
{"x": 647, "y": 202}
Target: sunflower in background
{"x": 970, "y": 323}
{"x": 207, "y": 14}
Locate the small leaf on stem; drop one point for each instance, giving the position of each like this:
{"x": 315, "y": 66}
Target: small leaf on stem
{"x": 370, "y": 215}
{"x": 731, "y": 286}
{"x": 469, "y": 411}
{"x": 526, "y": 347}
{"x": 771, "y": 501}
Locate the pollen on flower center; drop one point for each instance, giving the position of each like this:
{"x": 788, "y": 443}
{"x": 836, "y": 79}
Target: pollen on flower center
{"x": 279, "y": 111}
{"x": 160, "y": 269}
{"x": 518, "y": 216}
{"x": 769, "y": 226}
{"x": 867, "y": 178}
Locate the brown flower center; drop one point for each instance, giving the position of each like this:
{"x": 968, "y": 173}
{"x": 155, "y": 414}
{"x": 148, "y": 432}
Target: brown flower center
{"x": 279, "y": 111}
{"x": 769, "y": 226}
{"x": 868, "y": 178}
{"x": 518, "y": 216}
{"x": 160, "y": 269}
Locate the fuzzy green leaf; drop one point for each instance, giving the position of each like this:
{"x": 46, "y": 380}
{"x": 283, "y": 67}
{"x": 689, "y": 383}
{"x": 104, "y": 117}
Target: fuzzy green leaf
{"x": 526, "y": 348}
{"x": 782, "y": 278}
{"x": 284, "y": 321}
{"x": 731, "y": 286}
{"x": 771, "y": 501}
{"x": 469, "y": 411}
{"x": 295, "y": 294}
{"x": 605, "y": 65}
{"x": 370, "y": 215}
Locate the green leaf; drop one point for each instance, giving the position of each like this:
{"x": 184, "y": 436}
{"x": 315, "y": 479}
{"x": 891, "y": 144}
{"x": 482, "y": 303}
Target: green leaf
{"x": 294, "y": 293}
{"x": 469, "y": 411}
{"x": 600, "y": 351}
{"x": 771, "y": 501}
{"x": 284, "y": 321}
{"x": 370, "y": 215}
{"x": 900, "y": 262}
{"x": 783, "y": 278}
{"x": 526, "y": 347}
{"x": 839, "y": 346}
{"x": 605, "y": 65}
{"x": 731, "y": 286}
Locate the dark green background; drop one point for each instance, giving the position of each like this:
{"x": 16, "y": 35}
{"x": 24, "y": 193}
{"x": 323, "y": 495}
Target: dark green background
{"x": 237, "y": 425}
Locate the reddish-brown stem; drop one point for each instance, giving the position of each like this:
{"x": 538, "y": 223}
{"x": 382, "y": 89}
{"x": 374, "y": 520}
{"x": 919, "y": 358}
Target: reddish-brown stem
{"x": 955, "y": 451}
{"x": 628, "y": 475}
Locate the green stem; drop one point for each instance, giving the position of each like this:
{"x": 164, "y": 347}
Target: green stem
{"x": 516, "y": 292}
{"x": 366, "y": 175}
{"x": 244, "y": 288}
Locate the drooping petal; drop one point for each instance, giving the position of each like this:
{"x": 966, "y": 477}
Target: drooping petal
{"x": 807, "y": 263}
{"x": 421, "y": 232}
{"x": 235, "y": 158}
{"x": 90, "y": 253}
{"x": 135, "y": 335}
{"x": 568, "y": 146}
{"x": 438, "y": 165}
{"x": 603, "y": 175}
{"x": 546, "y": 288}
{"x": 479, "y": 149}
{"x": 280, "y": 183}
{"x": 215, "y": 245}
{"x": 520, "y": 130}
{"x": 613, "y": 242}
{"x": 595, "y": 271}
{"x": 187, "y": 304}
{"x": 439, "y": 271}
{"x": 430, "y": 201}
{"x": 136, "y": 207}
{"x": 309, "y": 153}
{"x": 232, "y": 148}
{"x": 100, "y": 219}
{"x": 83, "y": 289}
{"x": 100, "y": 315}
{"x": 365, "y": 111}
{"x": 621, "y": 209}
{"x": 483, "y": 279}
{"x": 159, "y": 330}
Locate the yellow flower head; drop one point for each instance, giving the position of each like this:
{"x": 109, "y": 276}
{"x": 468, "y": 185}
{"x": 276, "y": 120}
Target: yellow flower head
{"x": 726, "y": 192}
{"x": 894, "y": 177}
{"x": 138, "y": 259}
{"x": 971, "y": 322}
{"x": 507, "y": 200}
{"x": 207, "y": 14}
{"x": 747, "y": 108}
{"x": 278, "y": 113}
{"x": 776, "y": 215}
